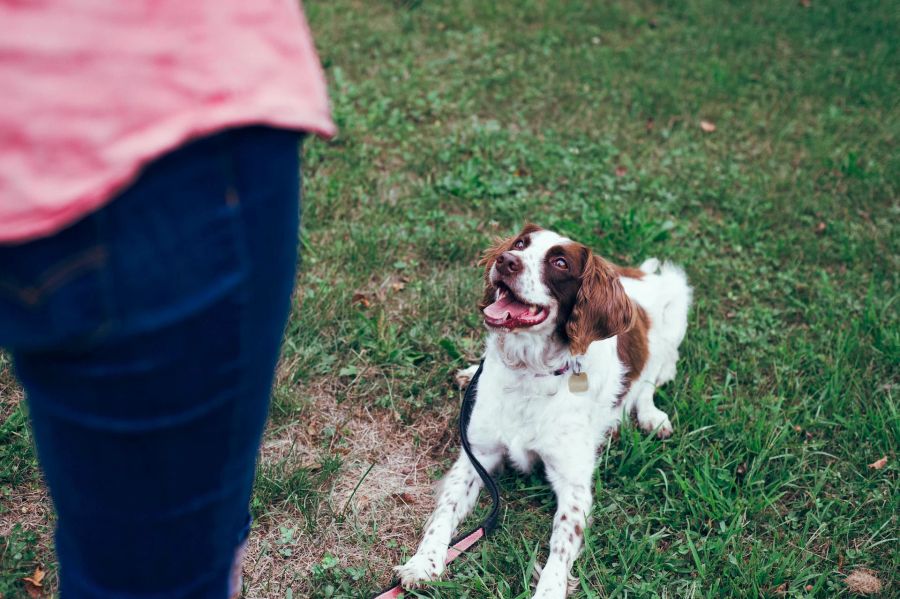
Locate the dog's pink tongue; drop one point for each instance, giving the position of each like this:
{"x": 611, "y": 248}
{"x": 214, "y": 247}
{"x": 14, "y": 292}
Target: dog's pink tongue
{"x": 499, "y": 309}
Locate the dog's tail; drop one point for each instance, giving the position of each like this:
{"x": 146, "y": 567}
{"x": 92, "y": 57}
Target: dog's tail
{"x": 650, "y": 266}
{"x": 674, "y": 283}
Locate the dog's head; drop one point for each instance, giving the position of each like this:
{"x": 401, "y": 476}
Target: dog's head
{"x": 542, "y": 282}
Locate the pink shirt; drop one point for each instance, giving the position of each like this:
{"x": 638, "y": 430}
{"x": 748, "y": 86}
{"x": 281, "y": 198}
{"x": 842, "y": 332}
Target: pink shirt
{"x": 94, "y": 89}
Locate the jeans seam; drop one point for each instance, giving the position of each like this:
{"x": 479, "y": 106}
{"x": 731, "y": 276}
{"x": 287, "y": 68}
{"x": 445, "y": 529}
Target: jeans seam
{"x": 242, "y": 253}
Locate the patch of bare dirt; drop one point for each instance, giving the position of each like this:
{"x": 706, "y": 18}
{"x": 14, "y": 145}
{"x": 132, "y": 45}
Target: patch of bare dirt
{"x": 378, "y": 503}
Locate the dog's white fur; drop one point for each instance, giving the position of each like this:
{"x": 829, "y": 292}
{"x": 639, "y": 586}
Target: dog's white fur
{"x": 524, "y": 413}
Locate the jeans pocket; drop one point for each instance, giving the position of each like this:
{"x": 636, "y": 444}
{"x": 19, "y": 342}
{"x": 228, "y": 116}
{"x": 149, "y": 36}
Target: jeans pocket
{"x": 54, "y": 291}
{"x": 175, "y": 239}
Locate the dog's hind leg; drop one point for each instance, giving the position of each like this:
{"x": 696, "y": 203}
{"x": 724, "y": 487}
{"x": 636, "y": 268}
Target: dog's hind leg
{"x": 456, "y": 498}
{"x": 649, "y": 417}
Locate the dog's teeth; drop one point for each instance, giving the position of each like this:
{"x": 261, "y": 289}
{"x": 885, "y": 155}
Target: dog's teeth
{"x": 533, "y": 309}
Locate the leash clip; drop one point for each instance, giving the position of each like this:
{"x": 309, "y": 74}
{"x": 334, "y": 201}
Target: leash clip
{"x": 577, "y": 367}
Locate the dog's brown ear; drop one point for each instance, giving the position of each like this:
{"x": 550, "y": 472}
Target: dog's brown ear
{"x": 602, "y": 309}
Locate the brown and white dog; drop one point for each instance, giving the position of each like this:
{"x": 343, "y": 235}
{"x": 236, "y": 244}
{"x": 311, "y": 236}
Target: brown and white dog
{"x": 556, "y": 313}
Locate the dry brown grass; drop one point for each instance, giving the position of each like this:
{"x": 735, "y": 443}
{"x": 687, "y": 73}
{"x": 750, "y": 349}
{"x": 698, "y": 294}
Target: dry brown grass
{"x": 27, "y": 505}
{"x": 10, "y": 392}
{"x": 863, "y": 581}
{"x": 31, "y": 509}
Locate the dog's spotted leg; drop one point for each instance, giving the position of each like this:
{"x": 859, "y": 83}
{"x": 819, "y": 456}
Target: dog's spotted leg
{"x": 571, "y": 480}
{"x": 456, "y": 498}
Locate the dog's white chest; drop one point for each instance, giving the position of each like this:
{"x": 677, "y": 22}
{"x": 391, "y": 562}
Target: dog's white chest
{"x": 525, "y": 420}
{"x": 526, "y": 417}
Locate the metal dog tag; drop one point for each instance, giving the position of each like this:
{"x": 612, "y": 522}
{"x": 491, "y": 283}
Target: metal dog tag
{"x": 578, "y": 383}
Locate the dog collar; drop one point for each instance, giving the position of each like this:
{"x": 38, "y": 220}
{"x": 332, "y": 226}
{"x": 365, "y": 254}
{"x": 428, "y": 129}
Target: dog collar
{"x": 561, "y": 371}
{"x": 574, "y": 365}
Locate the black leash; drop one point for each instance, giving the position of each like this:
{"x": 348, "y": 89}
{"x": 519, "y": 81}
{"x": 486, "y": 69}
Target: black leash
{"x": 463, "y": 542}
{"x": 465, "y": 415}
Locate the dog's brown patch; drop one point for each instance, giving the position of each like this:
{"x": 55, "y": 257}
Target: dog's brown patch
{"x": 633, "y": 348}
{"x": 629, "y": 271}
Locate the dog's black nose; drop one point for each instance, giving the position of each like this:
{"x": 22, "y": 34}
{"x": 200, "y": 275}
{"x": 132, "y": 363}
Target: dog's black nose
{"x": 508, "y": 263}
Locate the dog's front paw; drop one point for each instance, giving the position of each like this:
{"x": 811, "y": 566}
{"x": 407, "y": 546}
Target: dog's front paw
{"x": 551, "y": 589}
{"x": 420, "y": 568}
{"x": 654, "y": 419}
{"x": 554, "y": 587}
{"x": 464, "y": 375}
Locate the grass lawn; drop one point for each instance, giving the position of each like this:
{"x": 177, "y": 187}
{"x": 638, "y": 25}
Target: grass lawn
{"x": 462, "y": 120}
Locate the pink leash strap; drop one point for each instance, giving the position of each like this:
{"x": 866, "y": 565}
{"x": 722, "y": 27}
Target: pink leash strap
{"x": 453, "y": 552}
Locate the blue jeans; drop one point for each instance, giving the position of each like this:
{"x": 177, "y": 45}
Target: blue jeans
{"x": 146, "y": 337}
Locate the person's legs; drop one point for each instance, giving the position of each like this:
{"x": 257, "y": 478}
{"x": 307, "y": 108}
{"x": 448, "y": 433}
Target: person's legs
{"x": 146, "y": 338}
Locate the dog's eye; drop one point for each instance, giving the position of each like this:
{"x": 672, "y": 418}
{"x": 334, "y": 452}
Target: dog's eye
{"x": 519, "y": 244}
{"x": 561, "y": 263}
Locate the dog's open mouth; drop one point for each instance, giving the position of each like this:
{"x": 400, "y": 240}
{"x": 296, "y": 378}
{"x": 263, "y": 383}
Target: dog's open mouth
{"x": 510, "y": 312}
